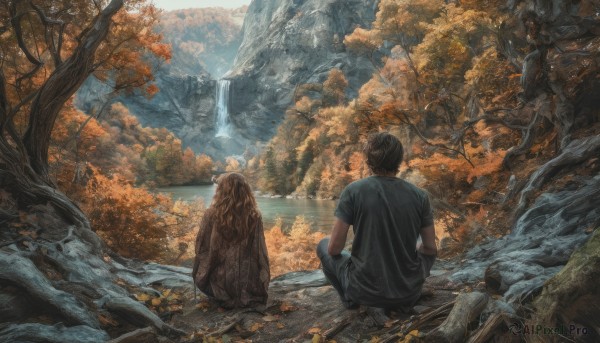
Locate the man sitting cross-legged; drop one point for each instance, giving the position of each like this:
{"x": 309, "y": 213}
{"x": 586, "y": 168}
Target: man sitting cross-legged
{"x": 385, "y": 268}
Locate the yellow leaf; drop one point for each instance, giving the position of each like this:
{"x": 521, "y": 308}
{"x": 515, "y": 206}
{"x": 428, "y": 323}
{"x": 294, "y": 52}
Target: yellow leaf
{"x": 316, "y": 339}
{"x": 374, "y": 339}
{"x": 176, "y": 308}
{"x": 314, "y": 331}
{"x": 255, "y": 327}
{"x": 414, "y": 333}
{"x": 287, "y": 307}
{"x": 142, "y": 297}
{"x": 390, "y": 323}
{"x": 204, "y": 305}
{"x": 166, "y": 293}
{"x": 156, "y": 301}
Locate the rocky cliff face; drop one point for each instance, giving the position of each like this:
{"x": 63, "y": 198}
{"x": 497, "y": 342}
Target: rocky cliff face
{"x": 287, "y": 43}
{"x": 184, "y": 105}
{"x": 204, "y": 44}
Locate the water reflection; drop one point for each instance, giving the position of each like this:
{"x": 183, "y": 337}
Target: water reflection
{"x": 318, "y": 212}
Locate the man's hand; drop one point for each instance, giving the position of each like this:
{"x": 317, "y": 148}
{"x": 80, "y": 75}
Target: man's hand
{"x": 428, "y": 237}
{"x": 338, "y": 237}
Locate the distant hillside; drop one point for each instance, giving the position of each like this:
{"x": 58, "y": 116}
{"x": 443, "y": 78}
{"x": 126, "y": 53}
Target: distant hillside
{"x": 203, "y": 38}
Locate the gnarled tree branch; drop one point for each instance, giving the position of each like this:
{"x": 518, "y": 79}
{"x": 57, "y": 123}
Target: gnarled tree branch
{"x": 60, "y": 86}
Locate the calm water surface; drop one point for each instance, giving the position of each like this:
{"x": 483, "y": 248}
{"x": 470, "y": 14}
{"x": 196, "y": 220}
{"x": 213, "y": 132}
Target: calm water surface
{"x": 318, "y": 212}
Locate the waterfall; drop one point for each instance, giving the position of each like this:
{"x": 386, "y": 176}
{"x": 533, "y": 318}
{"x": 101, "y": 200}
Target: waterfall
{"x": 223, "y": 124}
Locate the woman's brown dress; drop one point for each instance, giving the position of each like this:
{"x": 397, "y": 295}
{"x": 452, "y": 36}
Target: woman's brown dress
{"x": 236, "y": 272}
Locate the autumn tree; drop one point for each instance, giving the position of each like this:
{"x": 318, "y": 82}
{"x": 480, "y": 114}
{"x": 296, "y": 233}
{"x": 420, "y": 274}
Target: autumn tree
{"x": 48, "y": 52}
{"x": 334, "y": 88}
{"x": 48, "y": 49}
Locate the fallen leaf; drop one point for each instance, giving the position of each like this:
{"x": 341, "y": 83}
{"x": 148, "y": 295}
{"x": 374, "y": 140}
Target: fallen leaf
{"x": 142, "y": 297}
{"x": 390, "y": 323}
{"x": 156, "y": 301}
{"x": 203, "y": 305}
{"x": 269, "y": 318}
{"x": 176, "y": 308}
{"x": 287, "y": 307}
{"x": 255, "y": 327}
{"x": 28, "y": 233}
{"x": 280, "y": 326}
{"x": 375, "y": 339}
{"x": 316, "y": 339}
{"x": 314, "y": 331}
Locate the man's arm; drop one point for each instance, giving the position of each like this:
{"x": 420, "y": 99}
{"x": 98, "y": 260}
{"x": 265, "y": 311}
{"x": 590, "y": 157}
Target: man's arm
{"x": 428, "y": 237}
{"x": 338, "y": 237}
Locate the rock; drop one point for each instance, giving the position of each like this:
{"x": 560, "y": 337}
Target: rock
{"x": 297, "y": 280}
{"x": 287, "y": 43}
{"x": 185, "y": 105}
{"x": 32, "y": 332}
{"x": 541, "y": 242}
{"x": 571, "y": 298}
{"x": 146, "y": 335}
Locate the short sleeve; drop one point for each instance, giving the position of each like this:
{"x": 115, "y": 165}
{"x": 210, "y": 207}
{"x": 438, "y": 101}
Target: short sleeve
{"x": 344, "y": 209}
{"x": 427, "y": 212}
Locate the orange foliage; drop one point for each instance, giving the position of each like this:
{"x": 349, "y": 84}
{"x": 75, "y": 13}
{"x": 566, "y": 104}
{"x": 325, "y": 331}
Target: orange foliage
{"x": 294, "y": 251}
{"x": 139, "y": 224}
{"x": 127, "y": 218}
{"x": 98, "y": 163}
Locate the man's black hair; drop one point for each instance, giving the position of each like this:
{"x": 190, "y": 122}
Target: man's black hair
{"x": 384, "y": 153}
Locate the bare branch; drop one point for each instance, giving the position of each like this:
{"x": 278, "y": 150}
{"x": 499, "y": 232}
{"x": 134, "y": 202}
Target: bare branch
{"x": 16, "y": 24}
{"x": 60, "y": 86}
{"x": 49, "y": 23}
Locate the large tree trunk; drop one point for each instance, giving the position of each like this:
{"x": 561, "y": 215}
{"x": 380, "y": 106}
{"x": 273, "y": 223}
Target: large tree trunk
{"x": 60, "y": 87}
{"x": 52, "y": 265}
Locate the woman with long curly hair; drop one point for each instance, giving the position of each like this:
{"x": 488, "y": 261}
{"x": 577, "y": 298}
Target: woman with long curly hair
{"x": 231, "y": 264}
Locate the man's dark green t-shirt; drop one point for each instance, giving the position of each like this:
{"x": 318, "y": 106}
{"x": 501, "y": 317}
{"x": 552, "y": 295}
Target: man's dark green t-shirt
{"x": 387, "y": 214}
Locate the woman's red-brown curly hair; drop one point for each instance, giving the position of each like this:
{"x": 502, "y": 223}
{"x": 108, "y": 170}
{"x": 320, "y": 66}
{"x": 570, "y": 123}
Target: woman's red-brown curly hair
{"x": 234, "y": 208}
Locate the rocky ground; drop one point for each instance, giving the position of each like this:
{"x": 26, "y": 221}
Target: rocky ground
{"x": 303, "y": 307}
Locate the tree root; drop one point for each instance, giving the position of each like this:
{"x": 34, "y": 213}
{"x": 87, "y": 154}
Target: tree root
{"x": 525, "y": 145}
{"x": 146, "y": 335}
{"x": 82, "y": 283}
{"x": 576, "y": 152}
{"x": 23, "y": 272}
{"x": 139, "y": 314}
{"x": 454, "y": 329}
{"x": 489, "y": 328}
{"x": 392, "y": 334}
{"x": 33, "y": 332}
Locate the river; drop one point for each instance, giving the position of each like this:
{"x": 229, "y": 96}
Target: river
{"x": 318, "y": 212}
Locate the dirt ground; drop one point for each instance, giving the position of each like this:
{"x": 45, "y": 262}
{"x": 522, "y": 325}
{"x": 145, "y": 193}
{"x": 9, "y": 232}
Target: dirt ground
{"x": 303, "y": 307}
